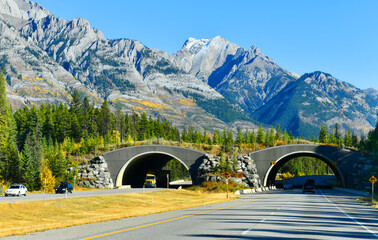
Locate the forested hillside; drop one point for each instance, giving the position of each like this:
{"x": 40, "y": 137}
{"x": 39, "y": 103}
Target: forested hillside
{"x": 44, "y": 142}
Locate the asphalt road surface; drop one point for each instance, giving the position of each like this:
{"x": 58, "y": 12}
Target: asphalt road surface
{"x": 49, "y": 196}
{"x": 289, "y": 214}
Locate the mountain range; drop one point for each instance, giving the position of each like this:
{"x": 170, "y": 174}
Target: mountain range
{"x": 207, "y": 84}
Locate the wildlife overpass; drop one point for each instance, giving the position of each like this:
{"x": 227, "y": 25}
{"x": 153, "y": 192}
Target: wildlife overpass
{"x": 128, "y": 166}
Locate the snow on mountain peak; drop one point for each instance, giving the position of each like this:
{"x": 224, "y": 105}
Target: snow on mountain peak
{"x": 23, "y": 9}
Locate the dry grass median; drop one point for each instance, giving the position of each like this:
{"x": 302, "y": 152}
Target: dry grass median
{"x": 25, "y": 217}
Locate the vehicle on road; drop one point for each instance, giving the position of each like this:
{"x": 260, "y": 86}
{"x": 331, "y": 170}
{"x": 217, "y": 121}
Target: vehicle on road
{"x": 63, "y": 187}
{"x": 16, "y": 189}
{"x": 309, "y": 186}
{"x": 287, "y": 186}
{"x": 150, "y": 181}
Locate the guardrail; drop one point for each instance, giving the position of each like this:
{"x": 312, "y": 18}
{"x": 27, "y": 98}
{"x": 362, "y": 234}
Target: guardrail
{"x": 254, "y": 190}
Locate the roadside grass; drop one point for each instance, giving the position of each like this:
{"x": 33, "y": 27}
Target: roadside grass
{"x": 25, "y": 217}
{"x": 216, "y": 187}
{"x": 367, "y": 201}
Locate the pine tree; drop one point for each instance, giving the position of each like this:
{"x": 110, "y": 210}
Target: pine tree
{"x": 5, "y": 122}
{"x": 333, "y": 138}
{"x": 272, "y": 139}
{"x": 26, "y": 168}
{"x": 105, "y": 127}
{"x": 286, "y": 137}
{"x": 216, "y": 137}
{"x": 323, "y": 135}
{"x": 278, "y": 133}
{"x": 348, "y": 138}
{"x": 260, "y": 135}
{"x": 239, "y": 139}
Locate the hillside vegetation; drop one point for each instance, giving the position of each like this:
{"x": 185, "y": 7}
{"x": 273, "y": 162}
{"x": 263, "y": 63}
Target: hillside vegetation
{"x": 43, "y": 142}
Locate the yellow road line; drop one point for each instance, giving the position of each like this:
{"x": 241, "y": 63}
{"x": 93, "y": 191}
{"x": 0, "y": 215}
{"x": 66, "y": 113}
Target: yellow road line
{"x": 174, "y": 219}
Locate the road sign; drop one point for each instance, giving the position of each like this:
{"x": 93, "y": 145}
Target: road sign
{"x": 273, "y": 163}
{"x": 227, "y": 175}
{"x": 373, "y": 179}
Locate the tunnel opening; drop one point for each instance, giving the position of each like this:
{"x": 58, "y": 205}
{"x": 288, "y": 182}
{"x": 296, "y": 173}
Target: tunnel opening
{"x": 331, "y": 169}
{"x": 163, "y": 166}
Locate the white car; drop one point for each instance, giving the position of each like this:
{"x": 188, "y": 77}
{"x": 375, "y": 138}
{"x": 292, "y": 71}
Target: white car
{"x": 16, "y": 189}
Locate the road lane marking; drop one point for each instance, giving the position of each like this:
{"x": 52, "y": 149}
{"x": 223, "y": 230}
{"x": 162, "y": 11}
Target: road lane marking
{"x": 174, "y": 219}
{"x": 346, "y": 214}
{"x": 246, "y": 231}
{"x": 250, "y": 229}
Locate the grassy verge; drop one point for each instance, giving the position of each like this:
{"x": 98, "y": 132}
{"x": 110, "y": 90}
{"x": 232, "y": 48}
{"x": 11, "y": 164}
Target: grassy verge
{"x": 25, "y": 217}
{"x": 367, "y": 201}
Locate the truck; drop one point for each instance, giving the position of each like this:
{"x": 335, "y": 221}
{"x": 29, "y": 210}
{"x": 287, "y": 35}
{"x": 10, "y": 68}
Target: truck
{"x": 150, "y": 180}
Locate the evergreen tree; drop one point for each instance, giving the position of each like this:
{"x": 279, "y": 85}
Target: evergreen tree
{"x": 272, "y": 139}
{"x": 8, "y": 148}
{"x": 260, "y": 135}
{"x": 337, "y": 132}
{"x": 323, "y": 135}
{"x": 239, "y": 138}
{"x": 26, "y": 168}
{"x": 106, "y": 119}
{"x": 278, "y": 133}
{"x": 253, "y": 137}
{"x": 247, "y": 136}
{"x": 333, "y": 138}
{"x": 354, "y": 140}
{"x": 216, "y": 137}
{"x": 348, "y": 138}
{"x": 286, "y": 137}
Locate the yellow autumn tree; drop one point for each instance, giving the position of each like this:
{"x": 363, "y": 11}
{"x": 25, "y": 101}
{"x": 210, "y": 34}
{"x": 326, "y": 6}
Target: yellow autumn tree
{"x": 50, "y": 180}
{"x": 287, "y": 175}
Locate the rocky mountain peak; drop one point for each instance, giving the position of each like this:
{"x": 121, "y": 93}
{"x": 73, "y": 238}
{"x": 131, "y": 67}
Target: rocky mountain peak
{"x": 372, "y": 92}
{"x": 200, "y": 57}
{"x": 23, "y": 9}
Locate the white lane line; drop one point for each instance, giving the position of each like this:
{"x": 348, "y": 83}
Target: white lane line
{"x": 346, "y": 214}
{"x": 249, "y": 229}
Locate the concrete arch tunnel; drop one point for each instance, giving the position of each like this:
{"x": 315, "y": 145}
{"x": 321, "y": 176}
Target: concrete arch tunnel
{"x": 270, "y": 160}
{"x": 128, "y": 166}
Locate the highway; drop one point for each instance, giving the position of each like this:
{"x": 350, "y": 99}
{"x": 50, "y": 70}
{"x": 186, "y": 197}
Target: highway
{"x": 289, "y": 214}
{"x": 50, "y": 196}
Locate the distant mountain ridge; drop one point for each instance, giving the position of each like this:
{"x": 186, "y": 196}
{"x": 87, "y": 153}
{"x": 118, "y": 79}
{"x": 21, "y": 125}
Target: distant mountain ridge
{"x": 207, "y": 84}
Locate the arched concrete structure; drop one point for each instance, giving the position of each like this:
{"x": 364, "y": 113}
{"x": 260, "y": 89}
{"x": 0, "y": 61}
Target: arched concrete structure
{"x": 127, "y": 165}
{"x": 131, "y": 162}
{"x": 340, "y": 160}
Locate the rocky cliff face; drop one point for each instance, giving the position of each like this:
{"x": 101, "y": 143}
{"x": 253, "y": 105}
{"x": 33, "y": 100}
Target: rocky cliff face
{"x": 318, "y": 98}
{"x": 246, "y": 78}
{"x": 123, "y": 71}
{"x": 209, "y": 83}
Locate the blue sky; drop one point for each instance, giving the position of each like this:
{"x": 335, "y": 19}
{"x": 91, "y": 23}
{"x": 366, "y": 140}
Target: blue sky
{"x": 337, "y": 37}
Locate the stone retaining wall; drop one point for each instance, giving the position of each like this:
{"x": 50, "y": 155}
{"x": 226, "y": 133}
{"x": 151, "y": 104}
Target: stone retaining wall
{"x": 95, "y": 174}
{"x": 245, "y": 165}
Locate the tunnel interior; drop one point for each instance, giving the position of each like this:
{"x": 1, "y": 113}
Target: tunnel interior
{"x": 271, "y": 178}
{"x": 137, "y": 169}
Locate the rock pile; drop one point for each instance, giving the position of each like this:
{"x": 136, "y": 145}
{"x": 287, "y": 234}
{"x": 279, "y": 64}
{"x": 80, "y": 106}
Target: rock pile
{"x": 241, "y": 164}
{"x": 95, "y": 174}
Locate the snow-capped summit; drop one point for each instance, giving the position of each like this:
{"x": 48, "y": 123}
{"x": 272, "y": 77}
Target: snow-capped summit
{"x": 201, "y": 57}
{"x": 23, "y": 9}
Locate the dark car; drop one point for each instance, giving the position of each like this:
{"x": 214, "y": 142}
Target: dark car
{"x": 309, "y": 186}
{"x": 63, "y": 187}
{"x": 288, "y": 186}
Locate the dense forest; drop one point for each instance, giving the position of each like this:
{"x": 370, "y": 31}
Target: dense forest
{"x": 43, "y": 142}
